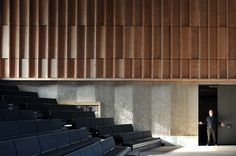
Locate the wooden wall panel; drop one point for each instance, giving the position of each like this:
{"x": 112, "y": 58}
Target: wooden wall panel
{"x": 127, "y": 39}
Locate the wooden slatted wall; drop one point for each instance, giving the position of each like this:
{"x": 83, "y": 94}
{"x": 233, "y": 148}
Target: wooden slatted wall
{"x": 118, "y": 39}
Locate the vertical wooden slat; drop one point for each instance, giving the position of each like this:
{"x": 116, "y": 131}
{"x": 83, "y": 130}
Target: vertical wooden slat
{"x": 14, "y": 68}
{"x": 80, "y": 68}
{"x": 53, "y": 42}
{"x": 137, "y": 68}
{"x": 204, "y": 69}
{"x": 175, "y": 43}
{"x": 213, "y": 69}
{"x": 62, "y": 42}
{"x": 53, "y": 12}
{"x": 119, "y": 35}
{"x": 185, "y": 43}
{"x": 232, "y": 67}
{"x": 175, "y": 69}
{"x": 147, "y": 42}
{"x": 212, "y": 13}
{"x": 166, "y": 69}
{"x": 62, "y": 68}
{"x": 213, "y": 43}
{"x": 203, "y": 43}
{"x": 231, "y": 44}
{"x": 232, "y": 13}
{"x": 128, "y": 42}
{"x": 184, "y": 12}
{"x": 119, "y": 12}
{"x": 175, "y": 12}
{"x": 24, "y": 42}
{"x": 14, "y": 41}
{"x": 194, "y": 12}
{"x": 185, "y": 69}
{"x": 222, "y": 13}
{"x": 166, "y": 43}
{"x": 90, "y": 12}
{"x": 91, "y": 68}
{"x": 52, "y": 65}
{"x": 156, "y": 12}
{"x": 72, "y": 12}
{"x": 24, "y": 12}
{"x": 14, "y": 12}
{"x": 4, "y": 12}
{"x": 138, "y": 42}
{"x": 156, "y": 42}
{"x": 128, "y": 68}
{"x": 34, "y": 42}
{"x": 34, "y": 12}
{"x": 119, "y": 68}
{"x": 128, "y": 12}
{"x": 203, "y": 9}
{"x": 71, "y": 68}
{"x": 222, "y": 69}
{"x": 137, "y": 12}
{"x": 195, "y": 69}
{"x": 4, "y": 41}
{"x": 109, "y": 42}
{"x": 223, "y": 43}
{"x": 72, "y": 41}
{"x": 99, "y": 68}
{"x": 100, "y": 42}
{"x": 100, "y": 12}
{"x": 109, "y": 12}
{"x": 147, "y": 12}
{"x": 166, "y": 12}
{"x": 43, "y": 41}
{"x": 195, "y": 43}
{"x": 156, "y": 69}
{"x": 62, "y": 12}
{"x": 80, "y": 42}
{"x": 90, "y": 42}
{"x": 33, "y": 68}
{"x": 109, "y": 68}
{"x": 82, "y": 12}
{"x": 147, "y": 68}
{"x": 43, "y": 12}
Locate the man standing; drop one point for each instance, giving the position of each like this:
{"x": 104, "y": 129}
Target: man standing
{"x": 212, "y": 124}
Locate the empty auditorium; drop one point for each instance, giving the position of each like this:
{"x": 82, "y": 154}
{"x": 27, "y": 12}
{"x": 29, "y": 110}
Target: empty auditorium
{"x": 117, "y": 77}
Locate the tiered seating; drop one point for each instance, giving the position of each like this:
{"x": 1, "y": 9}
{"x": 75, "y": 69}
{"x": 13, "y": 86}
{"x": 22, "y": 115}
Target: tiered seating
{"x": 92, "y": 122}
{"x": 139, "y": 139}
{"x": 69, "y": 115}
{"x": 114, "y": 130}
{"x": 105, "y": 147}
{"x": 13, "y": 115}
{"x": 53, "y": 144}
{"x": 16, "y": 129}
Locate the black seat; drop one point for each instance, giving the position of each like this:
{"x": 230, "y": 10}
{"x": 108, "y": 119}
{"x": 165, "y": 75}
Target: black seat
{"x": 96, "y": 122}
{"x": 9, "y": 87}
{"x": 11, "y": 115}
{"x": 27, "y": 114}
{"x": 47, "y": 142}
{"x": 128, "y": 128}
{"x": 43, "y": 126}
{"x": 27, "y": 146}
{"x": 108, "y": 121}
{"x": 104, "y": 131}
{"x": 63, "y": 139}
{"x": 7, "y": 148}
{"x": 9, "y": 130}
{"x": 80, "y": 122}
{"x": 1, "y": 116}
{"x": 27, "y": 128}
{"x": 55, "y": 124}
{"x": 48, "y": 101}
{"x": 14, "y": 99}
{"x": 117, "y": 129}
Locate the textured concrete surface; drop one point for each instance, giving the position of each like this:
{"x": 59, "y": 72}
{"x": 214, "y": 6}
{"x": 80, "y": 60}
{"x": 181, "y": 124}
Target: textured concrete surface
{"x": 166, "y": 109}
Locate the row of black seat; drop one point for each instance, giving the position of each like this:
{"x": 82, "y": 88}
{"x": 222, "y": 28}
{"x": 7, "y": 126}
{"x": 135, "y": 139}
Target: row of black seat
{"x": 9, "y": 87}
{"x": 17, "y": 93}
{"x": 92, "y": 122}
{"x": 112, "y": 130}
{"x": 52, "y": 144}
{"x": 106, "y": 147}
{"x": 27, "y": 100}
{"x": 138, "y": 139}
{"x": 13, "y": 115}
{"x": 16, "y": 129}
{"x": 69, "y": 115}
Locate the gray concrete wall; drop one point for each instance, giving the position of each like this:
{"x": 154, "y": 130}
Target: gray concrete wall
{"x": 166, "y": 109}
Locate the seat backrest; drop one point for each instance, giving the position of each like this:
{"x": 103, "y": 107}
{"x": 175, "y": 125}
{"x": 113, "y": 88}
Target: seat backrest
{"x": 107, "y": 144}
{"x": 80, "y": 122}
{"x": 27, "y": 115}
{"x": 9, "y": 130}
{"x": 43, "y": 126}
{"x": 74, "y": 136}
{"x": 127, "y": 137}
{"x": 108, "y": 121}
{"x": 47, "y": 142}
{"x": 11, "y": 115}
{"x": 9, "y": 87}
{"x": 97, "y": 149}
{"x": 86, "y": 151}
{"x": 7, "y": 148}
{"x": 1, "y": 116}
{"x": 14, "y": 99}
{"x": 96, "y": 122}
{"x": 27, "y": 146}
{"x": 138, "y": 135}
{"x": 83, "y": 134}
{"x": 27, "y": 127}
{"x": 55, "y": 124}
{"x": 147, "y": 134}
{"x": 128, "y": 128}
{"x": 117, "y": 129}
{"x": 104, "y": 130}
{"x": 63, "y": 139}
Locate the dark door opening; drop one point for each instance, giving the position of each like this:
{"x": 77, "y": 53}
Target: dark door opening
{"x": 207, "y": 100}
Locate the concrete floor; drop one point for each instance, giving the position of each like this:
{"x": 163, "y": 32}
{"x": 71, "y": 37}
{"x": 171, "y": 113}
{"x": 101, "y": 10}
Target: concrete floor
{"x": 192, "y": 151}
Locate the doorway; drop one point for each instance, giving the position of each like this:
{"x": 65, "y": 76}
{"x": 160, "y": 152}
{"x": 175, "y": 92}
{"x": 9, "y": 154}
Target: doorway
{"x": 207, "y": 100}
